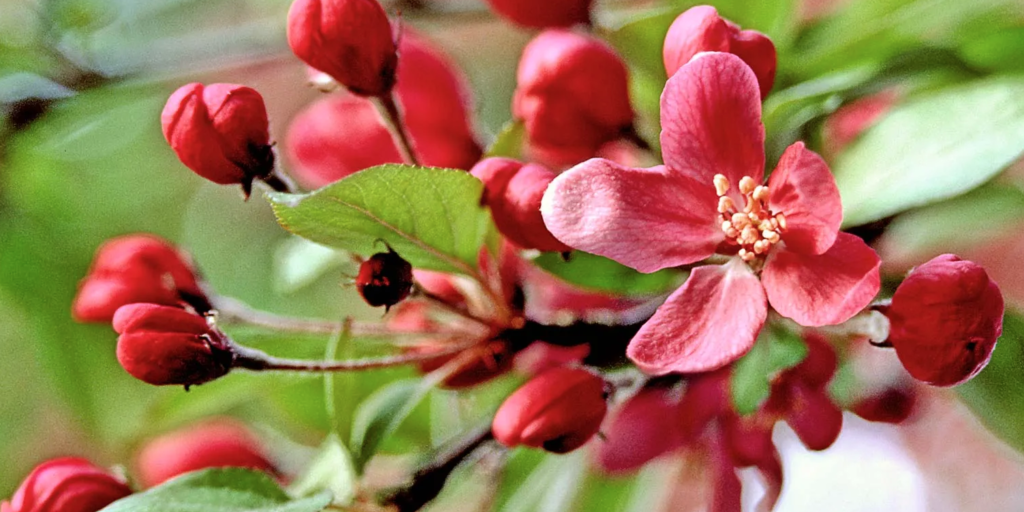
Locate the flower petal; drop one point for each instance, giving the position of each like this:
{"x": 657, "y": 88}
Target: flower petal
{"x": 824, "y": 289}
{"x": 646, "y": 219}
{"x": 805, "y": 192}
{"x": 711, "y": 120}
{"x": 710, "y": 321}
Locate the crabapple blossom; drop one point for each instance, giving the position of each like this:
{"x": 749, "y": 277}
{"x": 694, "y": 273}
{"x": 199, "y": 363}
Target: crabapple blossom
{"x": 781, "y": 238}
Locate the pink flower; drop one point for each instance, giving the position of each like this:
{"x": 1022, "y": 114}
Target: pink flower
{"x": 782, "y": 238}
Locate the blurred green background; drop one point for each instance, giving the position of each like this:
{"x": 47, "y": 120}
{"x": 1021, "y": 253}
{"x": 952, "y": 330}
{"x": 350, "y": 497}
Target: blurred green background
{"x": 82, "y": 159}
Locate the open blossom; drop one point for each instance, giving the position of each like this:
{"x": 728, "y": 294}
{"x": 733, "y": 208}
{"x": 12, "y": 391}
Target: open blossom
{"x": 945, "y": 320}
{"x": 701, "y": 29}
{"x": 67, "y": 484}
{"x": 214, "y": 444}
{"x": 782, "y": 238}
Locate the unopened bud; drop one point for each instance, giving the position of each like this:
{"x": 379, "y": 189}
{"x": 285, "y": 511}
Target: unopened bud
{"x": 221, "y": 132}
{"x": 701, "y": 29}
{"x": 892, "y": 405}
{"x": 350, "y": 40}
{"x": 385, "y": 279}
{"x": 513, "y": 191}
{"x": 559, "y": 411}
{"x": 214, "y": 444}
{"x": 543, "y": 13}
{"x": 645, "y": 426}
{"x": 945, "y": 319}
{"x": 490, "y": 361}
{"x": 573, "y": 96}
{"x": 132, "y": 269}
{"x": 67, "y": 485}
{"x": 164, "y": 345}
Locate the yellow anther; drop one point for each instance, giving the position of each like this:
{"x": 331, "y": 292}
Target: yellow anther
{"x": 771, "y": 236}
{"x": 732, "y": 232}
{"x": 754, "y": 209}
{"x": 721, "y": 184}
{"x": 725, "y": 204}
{"x": 782, "y": 220}
{"x": 774, "y": 223}
{"x": 761, "y": 193}
{"x": 749, "y": 235}
{"x": 766, "y": 225}
{"x": 726, "y": 226}
{"x": 761, "y": 246}
{"x": 740, "y": 220}
{"x": 747, "y": 185}
{"x": 747, "y": 255}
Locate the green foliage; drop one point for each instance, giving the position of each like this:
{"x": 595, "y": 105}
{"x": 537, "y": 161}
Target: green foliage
{"x": 219, "y": 490}
{"x": 996, "y": 395}
{"x": 331, "y": 470}
{"x": 432, "y": 217}
{"x": 509, "y": 142}
{"x": 777, "y": 349}
{"x": 602, "y": 274}
{"x": 381, "y": 414}
{"x": 932, "y": 148}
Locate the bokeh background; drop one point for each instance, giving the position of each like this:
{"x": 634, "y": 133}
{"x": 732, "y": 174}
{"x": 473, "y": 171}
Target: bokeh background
{"x": 82, "y": 159}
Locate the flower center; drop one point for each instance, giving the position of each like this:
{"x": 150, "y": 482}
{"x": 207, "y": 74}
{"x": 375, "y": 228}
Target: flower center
{"x": 755, "y": 228}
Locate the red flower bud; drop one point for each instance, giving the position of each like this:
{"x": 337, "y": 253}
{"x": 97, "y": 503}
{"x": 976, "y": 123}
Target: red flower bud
{"x": 513, "y": 191}
{"x": 821, "y": 363}
{"x": 559, "y": 411}
{"x": 814, "y": 417}
{"x": 351, "y": 40}
{"x": 164, "y": 345}
{"x": 221, "y": 132}
{"x": 572, "y": 95}
{"x": 892, "y": 405}
{"x": 67, "y": 485}
{"x": 543, "y": 13}
{"x": 490, "y": 361}
{"x": 342, "y": 134}
{"x": 385, "y": 279}
{"x": 945, "y": 319}
{"x": 540, "y": 357}
{"x": 136, "y": 268}
{"x": 215, "y": 444}
{"x": 644, "y": 427}
{"x": 701, "y": 29}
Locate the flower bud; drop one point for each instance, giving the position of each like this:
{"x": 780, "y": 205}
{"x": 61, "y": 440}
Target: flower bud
{"x": 572, "y": 95}
{"x": 701, "y": 29}
{"x": 815, "y": 418}
{"x": 67, "y": 485}
{"x": 892, "y": 405}
{"x": 136, "y": 268}
{"x": 945, "y": 319}
{"x": 540, "y": 357}
{"x": 559, "y": 411}
{"x": 543, "y": 13}
{"x": 339, "y": 135}
{"x": 385, "y": 279}
{"x": 221, "y": 132}
{"x": 214, "y": 444}
{"x": 164, "y": 345}
{"x": 644, "y": 427}
{"x": 351, "y": 40}
{"x": 513, "y": 191}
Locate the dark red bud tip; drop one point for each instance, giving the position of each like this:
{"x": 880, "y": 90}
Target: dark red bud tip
{"x": 513, "y": 191}
{"x": 220, "y": 131}
{"x": 893, "y": 405}
{"x": 385, "y": 279}
{"x": 67, "y": 485}
{"x": 350, "y": 40}
{"x": 945, "y": 319}
{"x": 215, "y": 444}
{"x": 164, "y": 345}
{"x": 572, "y": 95}
{"x": 133, "y": 269}
{"x": 559, "y": 411}
{"x": 701, "y": 29}
{"x": 543, "y": 13}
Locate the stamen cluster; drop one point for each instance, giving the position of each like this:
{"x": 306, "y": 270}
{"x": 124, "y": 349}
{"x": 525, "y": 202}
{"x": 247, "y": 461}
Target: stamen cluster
{"x": 756, "y": 228}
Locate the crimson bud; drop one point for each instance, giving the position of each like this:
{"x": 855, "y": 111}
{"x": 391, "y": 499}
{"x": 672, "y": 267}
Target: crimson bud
{"x": 164, "y": 345}
{"x": 67, "y": 485}
{"x": 572, "y": 95}
{"x": 891, "y": 405}
{"x": 214, "y": 444}
{"x": 136, "y": 268}
{"x": 513, "y": 191}
{"x": 701, "y": 29}
{"x": 644, "y": 428}
{"x": 350, "y": 40}
{"x": 543, "y": 13}
{"x": 385, "y": 279}
{"x": 559, "y": 411}
{"x": 221, "y": 132}
{"x": 945, "y": 319}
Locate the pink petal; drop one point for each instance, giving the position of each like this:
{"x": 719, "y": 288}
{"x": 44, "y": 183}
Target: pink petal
{"x": 758, "y": 51}
{"x": 699, "y": 29}
{"x": 646, "y": 219}
{"x": 711, "y": 120}
{"x": 824, "y": 289}
{"x": 709, "y": 322}
{"x": 805, "y": 192}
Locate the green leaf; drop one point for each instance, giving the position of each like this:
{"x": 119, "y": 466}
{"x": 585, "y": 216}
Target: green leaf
{"x": 996, "y": 50}
{"x": 509, "y": 142}
{"x": 776, "y": 350}
{"x": 602, "y": 274}
{"x": 431, "y": 216}
{"x": 381, "y": 414}
{"x": 996, "y": 395}
{"x": 299, "y": 262}
{"x": 332, "y": 470}
{"x": 936, "y": 147}
{"x": 219, "y": 490}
